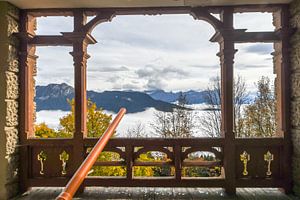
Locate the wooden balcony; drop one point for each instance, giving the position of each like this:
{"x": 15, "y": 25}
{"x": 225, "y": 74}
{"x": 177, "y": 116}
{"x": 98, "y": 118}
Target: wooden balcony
{"x": 254, "y": 170}
{"x": 243, "y": 163}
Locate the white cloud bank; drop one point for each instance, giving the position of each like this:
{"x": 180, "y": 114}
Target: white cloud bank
{"x": 170, "y": 52}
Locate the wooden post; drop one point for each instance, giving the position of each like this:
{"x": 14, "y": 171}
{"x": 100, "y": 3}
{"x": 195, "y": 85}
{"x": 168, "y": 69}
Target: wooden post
{"x": 80, "y": 57}
{"x": 227, "y": 52}
{"x": 282, "y": 70}
{"x": 80, "y": 40}
{"x": 129, "y": 155}
{"x": 27, "y": 60}
{"x": 177, "y": 157}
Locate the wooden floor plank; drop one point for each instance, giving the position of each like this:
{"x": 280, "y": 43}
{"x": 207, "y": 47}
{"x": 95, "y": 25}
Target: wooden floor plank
{"x": 94, "y": 193}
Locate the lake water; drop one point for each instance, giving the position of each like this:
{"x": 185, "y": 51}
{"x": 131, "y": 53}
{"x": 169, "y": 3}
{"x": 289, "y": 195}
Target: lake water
{"x": 146, "y": 118}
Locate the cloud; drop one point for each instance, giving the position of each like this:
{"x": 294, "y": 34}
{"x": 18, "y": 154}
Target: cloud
{"x": 131, "y": 86}
{"x": 151, "y": 71}
{"x": 53, "y": 25}
{"x": 148, "y": 71}
{"x": 170, "y": 52}
{"x": 157, "y": 77}
{"x": 155, "y": 83}
{"x": 176, "y": 72}
{"x": 108, "y": 69}
{"x": 252, "y": 66}
{"x": 259, "y": 49}
{"x": 156, "y": 32}
{"x": 205, "y": 66}
{"x": 254, "y": 21}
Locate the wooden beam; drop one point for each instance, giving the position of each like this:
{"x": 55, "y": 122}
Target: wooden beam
{"x": 241, "y": 36}
{"x": 257, "y": 8}
{"x": 43, "y": 12}
{"x": 50, "y": 40}
{"x": 159, "y": 142}
{"x": 119, "y": 11}
{"x": 153, "y": 10}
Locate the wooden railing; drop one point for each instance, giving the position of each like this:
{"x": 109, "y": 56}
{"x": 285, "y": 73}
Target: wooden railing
{"x": 86, "y": 166}
{"x": 251, "y": 153}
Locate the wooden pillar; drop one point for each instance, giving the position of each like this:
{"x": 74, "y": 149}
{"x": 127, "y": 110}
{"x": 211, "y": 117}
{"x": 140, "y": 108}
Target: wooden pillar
{"x": 282, "y": 70}
{"x": 80, "y": 40}
{"x": 80, "y": 57}
{"x": 226, "y": 54}
{"x": 27, "y": 60}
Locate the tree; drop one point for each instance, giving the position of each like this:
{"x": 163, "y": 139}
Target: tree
{"x": 43, "y": 131}
{"x": 137, "y": 131}
{"x": 260, "y": 117}
{"x": 144, "y": 170}
{"x": 97, "y": 123}
{"x": 211, "y": 121}
{"x": 108, "y": 170}
{"x": 177, "y": 123}
{"x": 97, "y": 120}
{"x": 240, "y": 99}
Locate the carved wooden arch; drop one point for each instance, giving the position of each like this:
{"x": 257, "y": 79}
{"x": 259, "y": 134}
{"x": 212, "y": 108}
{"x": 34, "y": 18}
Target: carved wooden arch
{"x": 198, "y": 13}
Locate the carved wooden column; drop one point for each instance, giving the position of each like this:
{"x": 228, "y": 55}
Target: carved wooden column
{"x": 226, "y": 54}
{"x": 282, "y": 70}
{"x": 225, "y": 37}
{"x": 80, "y": 40}
{"x": 80, "y": 57}
{"x": 27, "y": 61}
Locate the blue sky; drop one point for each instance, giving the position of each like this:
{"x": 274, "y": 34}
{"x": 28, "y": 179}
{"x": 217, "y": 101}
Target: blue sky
{"x": 170, "y": 52}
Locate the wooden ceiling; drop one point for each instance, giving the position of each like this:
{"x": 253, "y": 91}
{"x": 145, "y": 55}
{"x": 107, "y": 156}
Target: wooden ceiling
{"x": 32, "y": 4}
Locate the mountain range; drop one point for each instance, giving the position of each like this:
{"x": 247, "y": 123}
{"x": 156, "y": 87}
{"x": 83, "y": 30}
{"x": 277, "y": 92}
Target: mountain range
{"x": 54, "y": 97}
{"x": 192, "y": 97}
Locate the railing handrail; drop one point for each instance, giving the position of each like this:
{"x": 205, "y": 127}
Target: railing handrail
{"x": 81, "y": 173}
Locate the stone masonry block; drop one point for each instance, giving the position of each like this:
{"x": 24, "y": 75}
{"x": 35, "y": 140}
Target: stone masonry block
{"x": 11, "y": 113}
{"x": 12, "y": 91}
{"x": 12, "y": 140}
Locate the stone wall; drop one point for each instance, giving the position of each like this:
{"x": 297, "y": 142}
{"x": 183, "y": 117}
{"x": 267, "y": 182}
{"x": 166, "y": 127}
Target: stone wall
{"x": 9, "y": 93}
{"x": 295, "y": 93}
